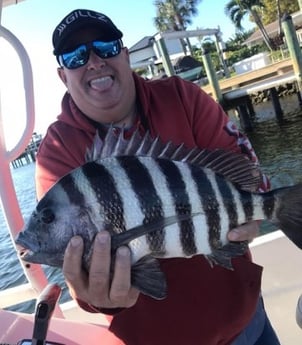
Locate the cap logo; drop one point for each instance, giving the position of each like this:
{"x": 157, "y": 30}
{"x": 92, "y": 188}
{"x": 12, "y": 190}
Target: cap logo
{"x": 80, "y": 14}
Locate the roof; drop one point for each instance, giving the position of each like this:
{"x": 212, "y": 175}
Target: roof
{"x": 273, "y": 29}
{"x": 145, "y": 42}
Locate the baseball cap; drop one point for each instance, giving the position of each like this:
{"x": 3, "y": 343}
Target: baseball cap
{"x": 79, "y": 19}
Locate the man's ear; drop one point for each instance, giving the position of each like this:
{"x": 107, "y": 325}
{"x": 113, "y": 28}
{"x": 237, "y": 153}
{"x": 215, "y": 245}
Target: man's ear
{"x": 62, "y": 75}
{"x": 125, "y": 49}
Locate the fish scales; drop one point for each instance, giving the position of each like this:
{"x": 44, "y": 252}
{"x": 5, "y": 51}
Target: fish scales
{"x": 247, "y": 203}
{"x": 177, "y": 186}
{"x": 228, "y": 201}
{"x": 269, "y": 207}
{"x": 209, "y": 203}
{"x": 70, "y": 186}
{"x": 224, "y": 220}
{"x": 258, "y": 207}
{"x": 199, "y": 219}
{"x": 162, "y": 201}
{"x": 102, "y": 193}
{"x": 108, "y": 187}
{"x": 241, "y": 212}
{"x": 132, "y": 212}
{"x": 161, "y": 172}
{"x": 150, "y": 203}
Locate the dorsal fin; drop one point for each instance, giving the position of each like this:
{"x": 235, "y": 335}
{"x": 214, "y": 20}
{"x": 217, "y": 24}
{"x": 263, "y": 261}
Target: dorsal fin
{"x": 234, "y": 167}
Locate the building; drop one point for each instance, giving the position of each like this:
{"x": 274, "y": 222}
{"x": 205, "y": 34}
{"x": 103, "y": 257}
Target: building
{"x": 148, "y": 52}
{"x": 273, "y": 31}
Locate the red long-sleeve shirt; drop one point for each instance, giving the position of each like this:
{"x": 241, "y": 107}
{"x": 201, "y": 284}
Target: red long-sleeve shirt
{"x": 204, "y": 305}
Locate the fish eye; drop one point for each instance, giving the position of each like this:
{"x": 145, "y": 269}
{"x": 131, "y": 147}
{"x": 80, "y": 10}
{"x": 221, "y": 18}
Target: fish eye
{"x": 47, "y": 216}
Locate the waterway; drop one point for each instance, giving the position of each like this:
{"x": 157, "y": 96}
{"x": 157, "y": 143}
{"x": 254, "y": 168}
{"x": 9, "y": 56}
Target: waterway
{"x": 278, "y": 144}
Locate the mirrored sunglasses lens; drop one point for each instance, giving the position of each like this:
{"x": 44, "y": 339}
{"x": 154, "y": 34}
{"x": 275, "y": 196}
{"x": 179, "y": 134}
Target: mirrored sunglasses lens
{"x": 106, "y": 50}
{"x": 76, "y": 58}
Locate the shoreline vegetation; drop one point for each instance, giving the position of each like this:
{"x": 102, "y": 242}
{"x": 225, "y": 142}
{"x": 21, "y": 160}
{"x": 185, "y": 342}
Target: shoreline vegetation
{"x": 283, "y": 90}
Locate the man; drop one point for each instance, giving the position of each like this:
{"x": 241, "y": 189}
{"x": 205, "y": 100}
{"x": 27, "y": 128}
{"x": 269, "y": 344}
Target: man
{"x": 204, "y": 305}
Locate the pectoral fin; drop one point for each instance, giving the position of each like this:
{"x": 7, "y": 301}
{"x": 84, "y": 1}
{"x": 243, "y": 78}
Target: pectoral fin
{"x": 125, "y": 237}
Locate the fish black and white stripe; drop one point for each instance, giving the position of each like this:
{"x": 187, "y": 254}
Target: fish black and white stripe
{"x": 152, "y": 207}
{"x": 176, "y": 182}
{"x": 229, "y": 202}
{"x": 103, "y": 195}
{"x": 166, "y": 184}
{"x": 166, "y": 175}
{"x": 162, "y": 201}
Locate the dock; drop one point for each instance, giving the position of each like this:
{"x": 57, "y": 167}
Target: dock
{"x": 237, "y": 90}
{"x": 29, "y": 154}
{"x": 279, "y": 68}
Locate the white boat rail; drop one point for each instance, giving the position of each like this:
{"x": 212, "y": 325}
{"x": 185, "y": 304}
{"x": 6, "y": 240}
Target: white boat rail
{"x": 12, "y": 213}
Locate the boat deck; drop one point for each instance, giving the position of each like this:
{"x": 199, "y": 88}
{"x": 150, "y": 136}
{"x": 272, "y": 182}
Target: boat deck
{"x": 281, "y": 283}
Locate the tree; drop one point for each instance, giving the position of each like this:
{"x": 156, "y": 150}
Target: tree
{"x": 236, "y": 10}
{"x": 275, "y": 9}
{"x": 270, "y": 11}
{"x": 237, "y": 50}
{"x": 175, "y": 15}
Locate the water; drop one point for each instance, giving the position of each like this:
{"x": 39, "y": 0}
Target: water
{"x": 278, "y": 145}
{"x": 279, "y": 148}
{"x": 11, "y": 271}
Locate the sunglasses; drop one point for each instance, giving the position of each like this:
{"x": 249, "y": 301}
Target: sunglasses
{"x": 80, "y": 55}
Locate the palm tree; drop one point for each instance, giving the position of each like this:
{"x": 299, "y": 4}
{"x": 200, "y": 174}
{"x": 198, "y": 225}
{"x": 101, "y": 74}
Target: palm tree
{"x": 236, "y": 10}
{"x": 279, "y": 17}
{"x": 175, "y": 15}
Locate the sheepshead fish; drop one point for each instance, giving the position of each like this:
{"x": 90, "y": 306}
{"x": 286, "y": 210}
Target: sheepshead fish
{"x": 159, "y": 199}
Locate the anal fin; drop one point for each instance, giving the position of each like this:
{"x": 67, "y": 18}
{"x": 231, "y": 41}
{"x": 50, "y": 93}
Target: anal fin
{"x": 148, "y": 278}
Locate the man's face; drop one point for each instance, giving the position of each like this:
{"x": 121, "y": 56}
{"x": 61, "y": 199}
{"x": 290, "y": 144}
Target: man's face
{"x": 103, "y": 89}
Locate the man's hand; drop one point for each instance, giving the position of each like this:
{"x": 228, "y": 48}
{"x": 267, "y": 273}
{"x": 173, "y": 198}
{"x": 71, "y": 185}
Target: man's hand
{"x": 246, "y": 232}
{"x": 98, "y": 288}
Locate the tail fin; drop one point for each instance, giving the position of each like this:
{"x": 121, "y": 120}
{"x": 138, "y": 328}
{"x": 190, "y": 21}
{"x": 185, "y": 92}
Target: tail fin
{"x": 289, "y": 212}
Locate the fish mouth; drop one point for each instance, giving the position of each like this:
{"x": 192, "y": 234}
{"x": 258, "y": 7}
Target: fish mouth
{"x": 28, "y": 251}
{"x": 26, "y": 242}
{"x": 37, "y": 256}
{"x": 26, "y": 254}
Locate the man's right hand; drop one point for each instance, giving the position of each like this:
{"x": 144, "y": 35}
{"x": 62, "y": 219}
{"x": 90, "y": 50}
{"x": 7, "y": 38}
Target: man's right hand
{"x": 98, "y": 288}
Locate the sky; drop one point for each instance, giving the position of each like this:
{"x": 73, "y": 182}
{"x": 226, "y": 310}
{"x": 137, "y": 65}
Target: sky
{"x": 33, "y": 21}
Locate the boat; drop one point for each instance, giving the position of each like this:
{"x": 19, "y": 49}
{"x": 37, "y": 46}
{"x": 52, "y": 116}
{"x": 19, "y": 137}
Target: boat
{"x": 66, "y": 323}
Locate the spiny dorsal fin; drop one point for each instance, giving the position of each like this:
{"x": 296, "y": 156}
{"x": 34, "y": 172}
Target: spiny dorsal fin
{"x": 235, "y": 167}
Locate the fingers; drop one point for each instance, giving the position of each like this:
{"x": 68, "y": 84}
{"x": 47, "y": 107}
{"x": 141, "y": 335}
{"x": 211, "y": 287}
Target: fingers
{"x": 245, "y": 232}
{"x": 107, "y": 291}
{"x": 72, "y": 266}
{"x": 101, "y": 288}
{"x": 99, "y": 273}
{"x": 121, "y": 291}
